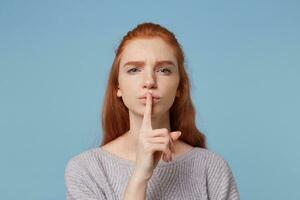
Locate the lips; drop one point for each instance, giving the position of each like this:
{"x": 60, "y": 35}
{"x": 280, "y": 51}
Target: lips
{"x": 154, "y": 96}
{"x": 146, "y": 98}
{"x": 154, "y": 100}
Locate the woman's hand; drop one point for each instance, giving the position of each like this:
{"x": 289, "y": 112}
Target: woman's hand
{"x": 152, "y": 144}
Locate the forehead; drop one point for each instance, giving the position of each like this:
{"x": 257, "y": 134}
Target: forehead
{"x": 152, "y": 49}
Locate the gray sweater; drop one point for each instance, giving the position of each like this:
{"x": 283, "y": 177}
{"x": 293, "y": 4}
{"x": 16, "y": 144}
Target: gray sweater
{"x": 198, "y": 174}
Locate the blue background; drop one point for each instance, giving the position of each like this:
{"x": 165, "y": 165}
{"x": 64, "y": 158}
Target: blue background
{"x": 243, "y": 62}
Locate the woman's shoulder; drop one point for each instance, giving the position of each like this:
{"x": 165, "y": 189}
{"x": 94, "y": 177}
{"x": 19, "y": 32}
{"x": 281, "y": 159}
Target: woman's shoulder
{"x": 219, "y": 177}
{"x": 82, "y": 160}
{"x": 212, "y": 158}
{"x": 209, "y": 156}
{"x": 83, "y": 176}
{"x": 216, "y": 167}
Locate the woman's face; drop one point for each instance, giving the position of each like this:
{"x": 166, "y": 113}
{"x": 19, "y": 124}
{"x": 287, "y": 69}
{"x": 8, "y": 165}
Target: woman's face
{"x": 148, "y": 64}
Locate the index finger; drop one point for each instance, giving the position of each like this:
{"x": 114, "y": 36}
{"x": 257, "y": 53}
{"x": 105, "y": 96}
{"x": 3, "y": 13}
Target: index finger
{"x": 146, "y": 124}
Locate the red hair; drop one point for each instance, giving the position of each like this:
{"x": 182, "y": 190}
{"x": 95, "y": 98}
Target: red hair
{"x": 115, "y": 115}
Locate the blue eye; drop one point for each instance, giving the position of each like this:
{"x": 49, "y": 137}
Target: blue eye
{"x": 164, "y": 70}
{"x": 168, "y": 71}
{"x": 132, "y": 70}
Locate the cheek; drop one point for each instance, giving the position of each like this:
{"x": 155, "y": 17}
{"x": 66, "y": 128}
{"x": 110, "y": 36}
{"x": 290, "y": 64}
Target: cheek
{"x": 129, "y": 91}
{"x": 170, "y": 92}
{"x": 126, "y": 84}
{"x": 170, "y": 86}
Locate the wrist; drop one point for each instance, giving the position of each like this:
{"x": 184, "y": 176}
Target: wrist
{"x": 140, "y": 176}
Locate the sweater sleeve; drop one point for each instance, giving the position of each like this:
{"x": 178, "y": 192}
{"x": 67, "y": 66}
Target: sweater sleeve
{"x": 221, "y": 184}
{"x": 78, "y": 186}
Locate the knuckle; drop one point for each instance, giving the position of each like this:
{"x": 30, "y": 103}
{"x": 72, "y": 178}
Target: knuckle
{"x": 166, "y": 140}
{"x": 165, "y": 147}
{"x": 165, "y": 130}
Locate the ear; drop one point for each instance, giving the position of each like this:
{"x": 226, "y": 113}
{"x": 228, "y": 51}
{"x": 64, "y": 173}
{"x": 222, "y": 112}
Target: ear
{"x": 119, "y": 93}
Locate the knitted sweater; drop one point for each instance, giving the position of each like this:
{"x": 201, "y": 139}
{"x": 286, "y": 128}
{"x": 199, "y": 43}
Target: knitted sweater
{"x": 197, "y": 174}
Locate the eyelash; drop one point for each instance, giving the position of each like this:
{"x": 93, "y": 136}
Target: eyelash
{"x": 130, "y": 70}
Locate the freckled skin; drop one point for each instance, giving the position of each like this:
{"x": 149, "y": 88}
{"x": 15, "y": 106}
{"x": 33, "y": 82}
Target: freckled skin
{"x": 133, "y": 84}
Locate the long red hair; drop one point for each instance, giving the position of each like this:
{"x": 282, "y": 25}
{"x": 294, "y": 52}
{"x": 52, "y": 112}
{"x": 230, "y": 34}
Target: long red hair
{"x": 115, "y": 115}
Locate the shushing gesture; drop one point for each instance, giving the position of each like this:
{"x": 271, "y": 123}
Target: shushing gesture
{"x": 153, "y": 144}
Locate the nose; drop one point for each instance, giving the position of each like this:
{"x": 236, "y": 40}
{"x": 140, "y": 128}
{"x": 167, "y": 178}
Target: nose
{"x": 149, "y": 81}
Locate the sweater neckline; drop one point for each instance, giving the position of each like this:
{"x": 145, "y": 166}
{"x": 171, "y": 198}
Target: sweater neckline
{"x": 161, "y": 163}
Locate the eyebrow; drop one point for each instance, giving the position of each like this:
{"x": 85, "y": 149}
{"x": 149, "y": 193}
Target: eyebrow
{"x": 157, "y": 64}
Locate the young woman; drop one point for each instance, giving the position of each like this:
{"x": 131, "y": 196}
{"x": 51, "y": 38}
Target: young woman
{"x": 151, "y": 146}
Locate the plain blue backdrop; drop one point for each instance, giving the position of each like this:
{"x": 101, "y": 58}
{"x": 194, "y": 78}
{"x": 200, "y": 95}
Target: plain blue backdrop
{"x": 243, "y": 62}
